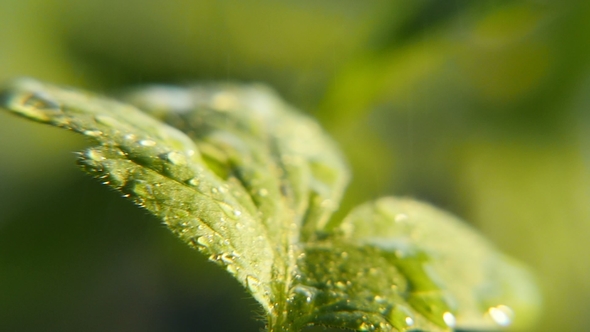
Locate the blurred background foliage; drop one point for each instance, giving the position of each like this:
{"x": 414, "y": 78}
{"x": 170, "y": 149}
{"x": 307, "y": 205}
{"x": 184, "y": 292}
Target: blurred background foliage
{"x": 480, "y": 107}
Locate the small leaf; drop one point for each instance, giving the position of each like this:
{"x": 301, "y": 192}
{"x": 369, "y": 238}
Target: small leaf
{"x": 405, "y": 259}
{"x": 240, "y": 175}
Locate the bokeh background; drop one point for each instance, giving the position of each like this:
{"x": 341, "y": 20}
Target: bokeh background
{"x": 480, "y": 107}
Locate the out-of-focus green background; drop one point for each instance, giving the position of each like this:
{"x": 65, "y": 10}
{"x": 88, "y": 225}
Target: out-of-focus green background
{"x": 480, "y": 107}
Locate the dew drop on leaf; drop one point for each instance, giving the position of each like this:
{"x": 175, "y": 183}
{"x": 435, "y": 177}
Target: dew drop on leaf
{"x": 227, "y": 209}
{"x": 501, "y": 314}
{"x": 94, "y": 155}
{"x": 401, "y": 317}
{"x": 341, "y": 285}
{"x": 227, "y": 258}
{"x": 253, "y": 283}
{"x": 32, "y": 102}
{"x": 92, "y": 133}
{"x": 449, "y": 319}
{"x": 204, "y": 242}
{"x": 147, "y": 142}
{"x": 308, "y": 293}
{"x": 176, "y": 158}
{"x": 232, "y": 269}
{"x": 366, "y": 327}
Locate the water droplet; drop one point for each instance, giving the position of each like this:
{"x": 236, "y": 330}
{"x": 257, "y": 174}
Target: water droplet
{"x": 214, "y": 190}
{"x": 307, "y": 292}
{"x": 92, "y": 133}
{"x": 501, "y": 314}
{"x": 193, "y": 182}
{"x": 95, "y": 155}
{"x": 176, "y": 158}
{"x": 204, "y": 241}
{"x": 253, "y": 284}
{"x": 190, "y": 153}
{"x": 38, "y": 105}
{"x": 129, "y": 137}
{"x": 449, "y": 319}
{"x": 263, "y": 192}
{"x": 401, "y": 317}
{"x": 232, "y": 269}
{"x": 229, "y": 210}
{"x": 340, "y": 285}
{"x": 147, "y": 142}
{"x": 366, "y": 327}
{"x": 227, "y": 258}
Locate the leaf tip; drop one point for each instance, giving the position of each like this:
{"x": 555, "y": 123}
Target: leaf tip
{"x": 28, "y": 97}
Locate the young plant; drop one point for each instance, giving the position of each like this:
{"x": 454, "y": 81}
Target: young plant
{"x": 244, "y": 178}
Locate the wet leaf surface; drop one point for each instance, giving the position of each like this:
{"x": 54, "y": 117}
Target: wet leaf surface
{"x": 241, "y": 176}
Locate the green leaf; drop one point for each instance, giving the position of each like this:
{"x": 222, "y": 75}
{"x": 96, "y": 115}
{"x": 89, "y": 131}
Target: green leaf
{"x": 444, "y": 271}
{"x": 241, "y": 176}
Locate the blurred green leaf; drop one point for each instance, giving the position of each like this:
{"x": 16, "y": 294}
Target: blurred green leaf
{"x": 241, "y": 176}
{"x": 444, "y": 262}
